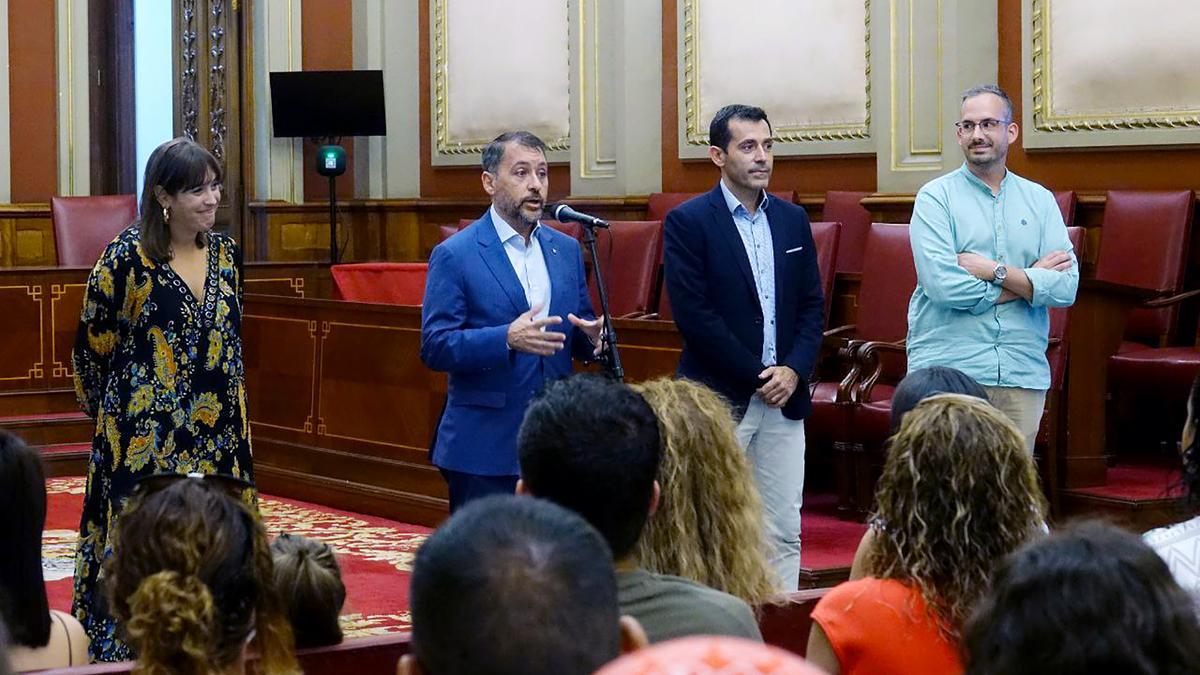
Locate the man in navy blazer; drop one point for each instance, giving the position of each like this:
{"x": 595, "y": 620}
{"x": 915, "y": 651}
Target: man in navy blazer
{"x": 741, "y": 274}
{"x": 495, "y": 296}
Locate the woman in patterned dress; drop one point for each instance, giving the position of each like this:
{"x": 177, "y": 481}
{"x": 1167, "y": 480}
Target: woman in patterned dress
{"x": 158, "y": 361}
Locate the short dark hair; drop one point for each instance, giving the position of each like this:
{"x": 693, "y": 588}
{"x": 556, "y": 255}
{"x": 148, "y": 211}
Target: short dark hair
{"x": 1090, "y": 599}
{"x": 179, "y": 164}
{"x": 493, "y": 153}
{"x": 23, "y": 604}
{"x": 718, "y": 129}
{"x": 995, "y": 90}
{"x": 514, "y": 585}
{"x": 309, "y": 582}
{"x": 925, "y": 382}
{"x": 592, "y": 445}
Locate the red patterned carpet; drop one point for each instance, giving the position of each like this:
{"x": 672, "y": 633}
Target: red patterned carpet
{"x": 375, "y": 554}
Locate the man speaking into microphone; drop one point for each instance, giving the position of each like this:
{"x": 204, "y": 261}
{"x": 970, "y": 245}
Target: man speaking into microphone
{"x": 493, "y": 318}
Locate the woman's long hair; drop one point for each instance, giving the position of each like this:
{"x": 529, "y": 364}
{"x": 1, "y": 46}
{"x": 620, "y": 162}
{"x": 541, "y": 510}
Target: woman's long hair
{"x": 959, "y": 491}
{"x": 190, "y": 583}
{"x": 709, "y": 525}
{"x": 309, "y": 582}
{"x": 175, "y": 166}
{"x": 23, "y": 604}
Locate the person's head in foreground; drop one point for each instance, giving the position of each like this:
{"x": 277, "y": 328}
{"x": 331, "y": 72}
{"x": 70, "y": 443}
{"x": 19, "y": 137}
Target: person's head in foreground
{"x": 591, "y": 444}
{"x": 190, "y": 581}
{"x": 710, "y": 655}
{"x": 708, "y": 526}
{"x": 925, "y": 382}
{"x": 959, "y": 491}
{"x": 1189, "y": 447}
{"x": 23, "y": 604}
{"x": 309, "y": 583}
{"x": 1090, "y": 600}
{"x": 515, "y": 586}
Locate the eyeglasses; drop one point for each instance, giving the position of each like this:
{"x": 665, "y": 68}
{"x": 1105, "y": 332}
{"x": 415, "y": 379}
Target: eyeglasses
{"x": 233, "y": 486}
{"x": 967, "y": 127}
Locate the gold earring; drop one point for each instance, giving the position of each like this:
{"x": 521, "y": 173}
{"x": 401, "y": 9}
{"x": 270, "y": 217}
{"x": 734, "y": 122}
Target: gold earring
{"x": 166, "y": 215}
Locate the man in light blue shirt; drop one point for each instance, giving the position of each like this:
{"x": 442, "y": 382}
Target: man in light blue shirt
{"x": 992, "y": 255}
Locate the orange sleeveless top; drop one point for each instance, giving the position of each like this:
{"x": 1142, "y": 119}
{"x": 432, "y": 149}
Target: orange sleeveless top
{"x": 879, "y": 626}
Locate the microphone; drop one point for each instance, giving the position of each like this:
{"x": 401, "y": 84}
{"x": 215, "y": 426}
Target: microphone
{"x": 564, "y": 213}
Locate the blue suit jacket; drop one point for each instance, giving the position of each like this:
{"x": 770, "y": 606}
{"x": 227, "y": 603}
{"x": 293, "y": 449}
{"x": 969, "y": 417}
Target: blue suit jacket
{"x": 472, "y": 294}
{"x": 715, "y": 302}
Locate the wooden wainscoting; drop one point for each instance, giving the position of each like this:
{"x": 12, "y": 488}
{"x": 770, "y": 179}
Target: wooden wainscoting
{"x": 343, "y": 411}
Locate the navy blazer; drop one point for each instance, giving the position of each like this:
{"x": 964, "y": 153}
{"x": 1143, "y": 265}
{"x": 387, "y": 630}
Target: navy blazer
{"x": 472, "y": 294}
{"x": 715, "y": 302}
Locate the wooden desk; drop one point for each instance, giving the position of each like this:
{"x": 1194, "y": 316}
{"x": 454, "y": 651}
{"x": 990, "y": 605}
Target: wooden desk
{"x": 40, "y": 309}
{"x": 343, "y": 411}
{"x": 1097, "y": 326}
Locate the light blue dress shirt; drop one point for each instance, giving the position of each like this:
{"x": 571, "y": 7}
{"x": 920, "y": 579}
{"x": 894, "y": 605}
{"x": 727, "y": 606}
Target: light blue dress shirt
{"x": 760, "y": 248}
{"x": 953, "y": 318}
{"x": 527, "y": 262}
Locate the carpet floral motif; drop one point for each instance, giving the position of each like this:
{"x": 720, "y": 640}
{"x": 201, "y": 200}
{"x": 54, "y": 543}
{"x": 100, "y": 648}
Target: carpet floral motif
{"x": 371, "y": 551}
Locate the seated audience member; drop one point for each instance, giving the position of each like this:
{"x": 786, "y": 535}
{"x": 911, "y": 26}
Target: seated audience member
{"x": 515, "y": 586}
{"x": 710, "y": 655}
{"x": 190, "y": 579}
{"x": 957, "y": 494}
{"x": 709, "y": 523}
{"x": 592, "y": 445}
{"x": 925, "y": 382}
{"x": 1089, "y": 600}
{"x": 309, "y": 583}
{"x": 1179, "y": 544}
{"x": 914, "y": 388}
{"x": 39, "y": 637}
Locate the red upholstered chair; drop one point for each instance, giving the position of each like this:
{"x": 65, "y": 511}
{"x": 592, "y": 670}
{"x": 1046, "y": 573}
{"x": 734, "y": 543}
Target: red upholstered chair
{"x": 787, "y": 624}
{"x": 851, "y": 414}
{"x": 827, "y": 238}
{"x": 630, "y": 254}
{"x": 846, "y": 208}
{"x": 1066, "y": 203}
{"x": 83, "y": 226}
{"x": 447, "y": 231}
{"x": 1144, "y": 243}
{"x": 661, "y": 203}
{"x": 1052, "y": 434}
{"x": 385, "y": 283}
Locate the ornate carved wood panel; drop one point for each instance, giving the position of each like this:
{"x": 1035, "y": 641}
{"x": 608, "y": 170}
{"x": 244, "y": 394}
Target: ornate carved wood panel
{"x": 208, "y": 89}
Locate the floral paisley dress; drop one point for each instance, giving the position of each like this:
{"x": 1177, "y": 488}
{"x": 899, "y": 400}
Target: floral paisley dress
{"x": 161, "y": 374}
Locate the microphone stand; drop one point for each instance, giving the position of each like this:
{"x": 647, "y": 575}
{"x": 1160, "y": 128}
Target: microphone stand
{"x": 609, "y": 356}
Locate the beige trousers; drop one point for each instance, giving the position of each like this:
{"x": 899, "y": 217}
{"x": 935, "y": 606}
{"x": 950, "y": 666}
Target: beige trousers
{"x": 1023, "y": 406}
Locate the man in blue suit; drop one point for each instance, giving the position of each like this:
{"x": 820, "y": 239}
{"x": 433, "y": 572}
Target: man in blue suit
{"x": 741, "y": 273}
{"x": 492, "y": 317}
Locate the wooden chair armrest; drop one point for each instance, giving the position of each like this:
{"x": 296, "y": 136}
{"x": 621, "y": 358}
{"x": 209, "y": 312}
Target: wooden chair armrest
{"x": 867, "y": 355}
{"x": 1171, "y": 300}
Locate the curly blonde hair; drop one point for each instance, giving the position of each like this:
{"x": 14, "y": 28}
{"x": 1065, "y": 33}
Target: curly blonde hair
{"x": 709, "y": 523}
{"x": 190, "y": 583}
{"x": 959, "y": 491}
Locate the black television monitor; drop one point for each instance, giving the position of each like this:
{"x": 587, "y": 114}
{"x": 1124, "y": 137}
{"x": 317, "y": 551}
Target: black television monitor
{"x": 318, "y": 103}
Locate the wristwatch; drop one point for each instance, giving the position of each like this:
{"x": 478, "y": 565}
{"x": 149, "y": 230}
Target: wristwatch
{"x": 999, "y": 274}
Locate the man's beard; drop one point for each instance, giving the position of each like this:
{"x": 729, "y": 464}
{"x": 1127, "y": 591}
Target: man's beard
{"x": 516, "y": 214}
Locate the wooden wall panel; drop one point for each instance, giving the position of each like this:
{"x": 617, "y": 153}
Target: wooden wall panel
{"x": 809, "y": 174}
{"x": 1087, "y": 170}
{"x": 327, "y": 43}
{"x": 33, "y": 98}
{"x": 26, "y": 236}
